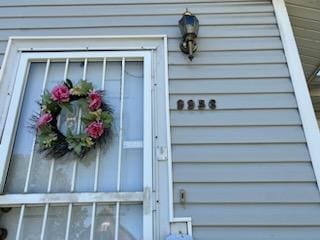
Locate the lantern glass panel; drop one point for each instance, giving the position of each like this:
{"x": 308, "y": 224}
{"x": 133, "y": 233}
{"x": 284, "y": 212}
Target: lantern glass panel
{"x": 189, "y": 20}
{"x": 182, "y": 26}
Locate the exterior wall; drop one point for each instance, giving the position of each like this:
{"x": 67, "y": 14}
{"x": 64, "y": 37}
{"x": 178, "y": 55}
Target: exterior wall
{"x": 245, "y": 167}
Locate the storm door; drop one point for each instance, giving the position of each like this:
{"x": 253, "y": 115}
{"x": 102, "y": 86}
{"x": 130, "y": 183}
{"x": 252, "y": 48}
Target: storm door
{"x": 105, "y": 195}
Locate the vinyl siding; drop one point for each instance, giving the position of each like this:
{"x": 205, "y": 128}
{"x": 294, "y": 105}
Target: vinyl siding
{"x": 245, "y": 166}
{"x": 304, "y": 17}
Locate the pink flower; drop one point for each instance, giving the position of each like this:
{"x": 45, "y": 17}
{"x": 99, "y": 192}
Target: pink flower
{"x": 60, "y": 93}
{"x": 95, "y": 100}
{"x": 95, "y": 129}
{"x": 44, "y": 120}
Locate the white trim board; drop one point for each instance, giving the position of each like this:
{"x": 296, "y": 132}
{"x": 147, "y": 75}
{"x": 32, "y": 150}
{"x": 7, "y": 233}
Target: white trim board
{"x": 308, "y": 118}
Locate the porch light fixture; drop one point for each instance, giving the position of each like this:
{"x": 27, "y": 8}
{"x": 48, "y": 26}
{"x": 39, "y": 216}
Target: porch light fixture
{"x": 189, "y": 28}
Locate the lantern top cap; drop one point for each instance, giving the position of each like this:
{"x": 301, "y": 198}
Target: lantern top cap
{"x": 187, "y": 13}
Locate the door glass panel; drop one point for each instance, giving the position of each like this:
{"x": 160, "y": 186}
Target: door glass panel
{"x": 86, "y": 167}
{"x": 130, "y": 222}
{"x": 80, "y": 222}
{"x": 62, "y": 175}
{"x": 132, "y": 153}
{"x": 32, "y": 219}
{"x": 105, "y": 222}
{"x": 56, "y": 223}
{"x": 133, "y": 102}
{"x": 109, "y": 156}
{"x": 63, "y": 168}
{"x": 132, "y": 170}
{"x": 22, "y": 147}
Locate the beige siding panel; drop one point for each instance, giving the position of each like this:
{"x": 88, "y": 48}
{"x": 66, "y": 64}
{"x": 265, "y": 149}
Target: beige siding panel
{"x": 310, "y": 43}
{"x": 303, "y": 12}
{"x": 307, "y": 33}
{"x": 306, "y": 3}
{"x": 310, "y": 59}
{"x": 307, "y": 51}
{"x": 309, "y": 24}
{"x": 305, "y": 17}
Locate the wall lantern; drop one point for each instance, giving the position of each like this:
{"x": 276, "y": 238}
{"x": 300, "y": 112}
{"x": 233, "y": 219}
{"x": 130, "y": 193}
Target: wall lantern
{"x": 189, "y": 28}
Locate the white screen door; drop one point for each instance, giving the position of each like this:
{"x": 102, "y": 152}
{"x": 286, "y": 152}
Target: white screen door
{"x": 105, "y": 195}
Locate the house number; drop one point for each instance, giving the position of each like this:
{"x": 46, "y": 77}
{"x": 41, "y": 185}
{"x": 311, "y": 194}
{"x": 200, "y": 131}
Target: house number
{"x": 201, "y": 105}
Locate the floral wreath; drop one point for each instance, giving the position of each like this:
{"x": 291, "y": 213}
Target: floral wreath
{"x": 96, "y": 117}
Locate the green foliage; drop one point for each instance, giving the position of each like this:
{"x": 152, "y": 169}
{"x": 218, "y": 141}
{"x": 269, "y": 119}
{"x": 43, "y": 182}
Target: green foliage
{"x": 79, "y": 143}
{"x": 51, "y": 139}
{"x": 46, "y": 137}
{"x": 98, "y": 115}
{"x": 82, "y": 88}
{"x": 48, "y": 105}
{"x": 106, "y": 119}
{"x": 83, "y": 104}
{"x": 90, "y": 117}
{"x": 67, "y": 106}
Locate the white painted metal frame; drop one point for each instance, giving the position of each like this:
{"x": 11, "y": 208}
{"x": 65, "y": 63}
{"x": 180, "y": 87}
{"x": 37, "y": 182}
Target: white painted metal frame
{"x": 301, "y": 90}
{"x": 123, "y": 62}
{"x": 65, "y": 198}
{"x": 70, "y": 198}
